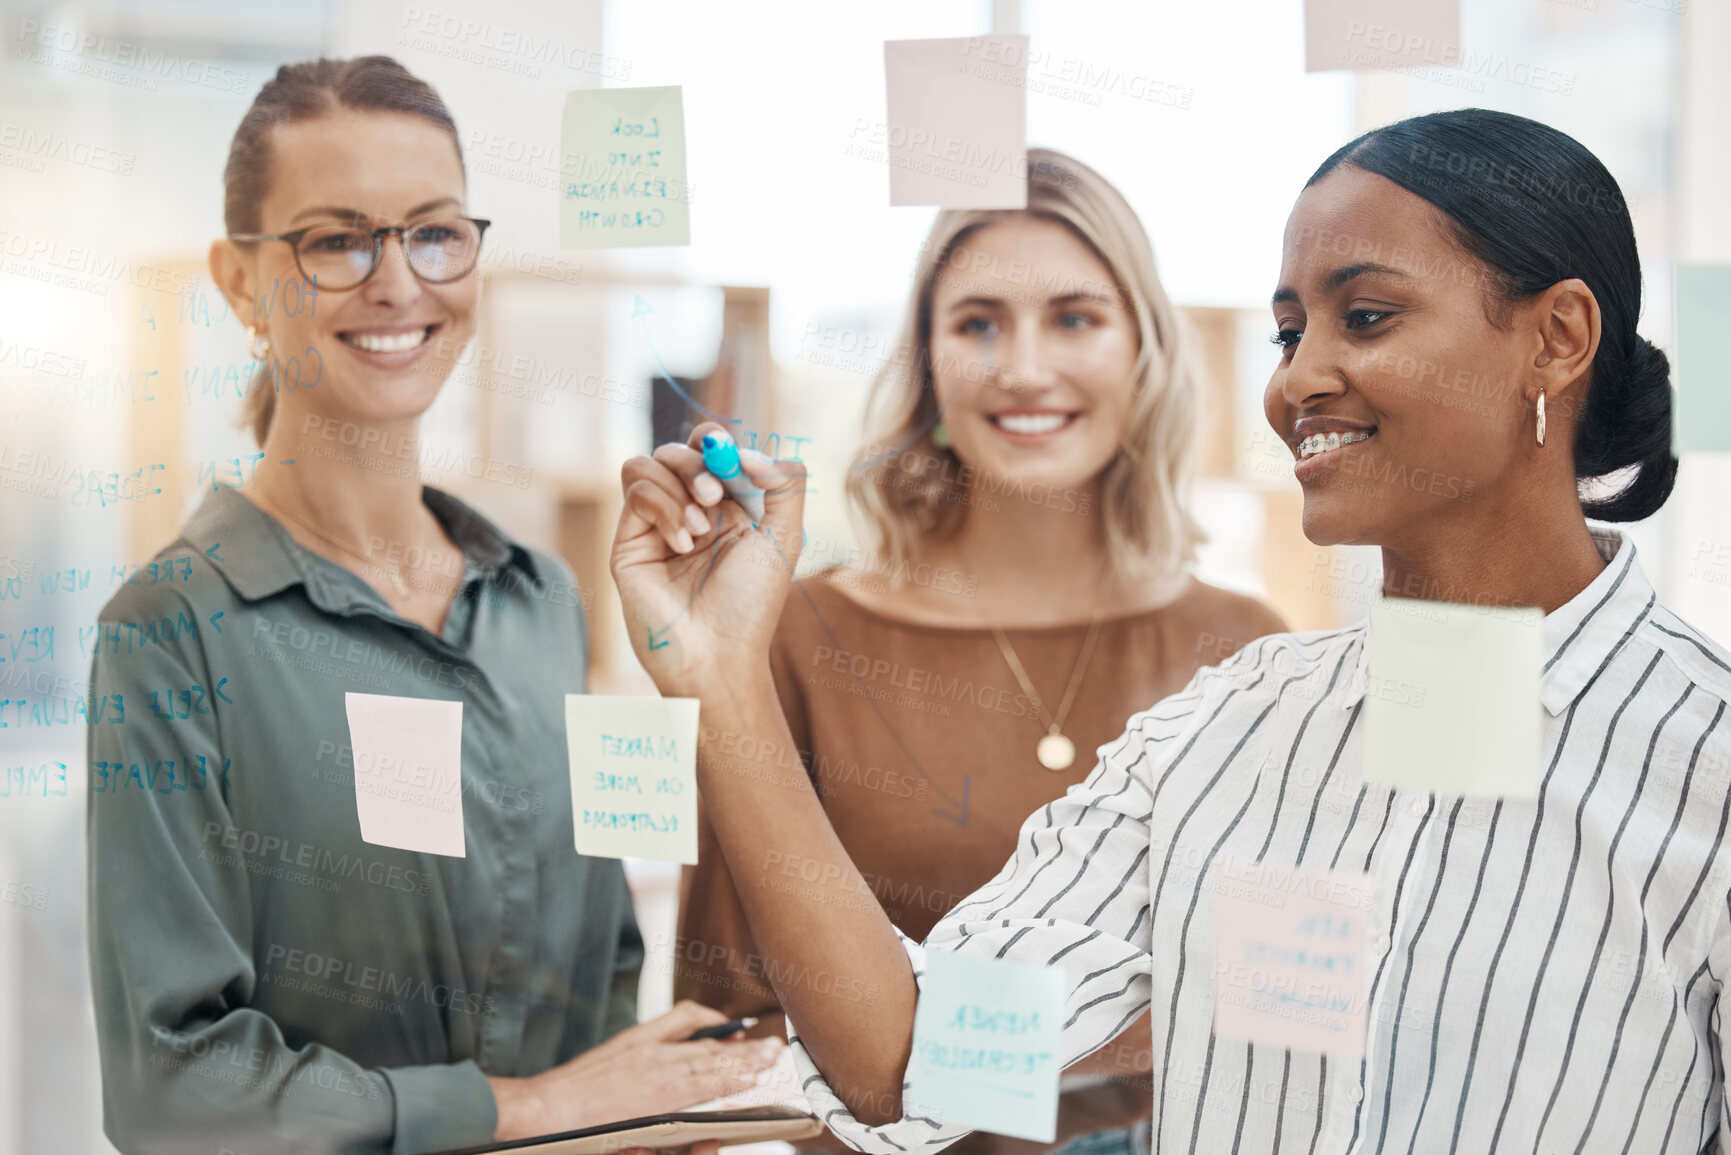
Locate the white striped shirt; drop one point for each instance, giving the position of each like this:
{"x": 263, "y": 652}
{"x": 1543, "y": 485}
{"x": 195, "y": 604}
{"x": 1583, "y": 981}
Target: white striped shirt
{"x": 1545, "y": 974}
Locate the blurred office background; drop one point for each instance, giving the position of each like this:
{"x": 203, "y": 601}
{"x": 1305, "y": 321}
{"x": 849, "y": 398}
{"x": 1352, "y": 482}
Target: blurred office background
{"x": 781, "y": 308}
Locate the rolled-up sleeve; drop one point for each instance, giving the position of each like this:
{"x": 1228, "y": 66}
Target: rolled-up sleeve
{"x": 186, "y": 1063}
{"x": 1075, "y": 896}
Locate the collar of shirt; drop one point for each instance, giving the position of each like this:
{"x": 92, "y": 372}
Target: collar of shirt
{"x": 258, "y": 557}
{"x": 1580, "y": 635}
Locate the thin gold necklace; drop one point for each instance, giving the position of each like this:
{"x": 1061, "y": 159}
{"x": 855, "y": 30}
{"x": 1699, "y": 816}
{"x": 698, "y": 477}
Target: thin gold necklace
{"x": 395, "y": 575}
{"x": 1054, "y": 751}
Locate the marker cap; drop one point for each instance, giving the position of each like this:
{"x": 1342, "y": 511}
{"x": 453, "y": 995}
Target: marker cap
{"x": 720, "y": 456}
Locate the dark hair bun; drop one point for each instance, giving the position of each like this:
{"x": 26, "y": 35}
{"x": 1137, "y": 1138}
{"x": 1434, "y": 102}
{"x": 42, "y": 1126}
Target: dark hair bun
{"x": 1627, "y": 422}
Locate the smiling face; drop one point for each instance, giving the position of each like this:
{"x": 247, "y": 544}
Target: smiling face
{"x": 1032, "y": 354}
{"x": 1401, "y": 401}
{"x": 387, "y": 345}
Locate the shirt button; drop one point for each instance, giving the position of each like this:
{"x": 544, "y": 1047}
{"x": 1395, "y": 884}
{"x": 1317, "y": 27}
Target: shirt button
{"x": 1356, "y": 1092}
{"x": 1379, "y": 945}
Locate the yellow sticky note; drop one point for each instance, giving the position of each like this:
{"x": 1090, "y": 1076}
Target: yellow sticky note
{"x": 1451, "y": 705}
{"x": 1357, "y": 35}
{"x": 633, "y": 776}
{"x": 622, "y": 177}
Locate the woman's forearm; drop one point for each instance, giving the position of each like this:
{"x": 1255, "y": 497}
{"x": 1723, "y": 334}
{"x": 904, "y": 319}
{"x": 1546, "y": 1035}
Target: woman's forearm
{"x": 828, "y": 948}
{"x": 714, "y": 953}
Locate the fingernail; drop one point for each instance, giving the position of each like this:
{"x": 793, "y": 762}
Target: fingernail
{"x": 683, "y": 542}
{"x": 695, "y": 519}
{"x": 755, "y": 456}
{"x": 708, "y": 487}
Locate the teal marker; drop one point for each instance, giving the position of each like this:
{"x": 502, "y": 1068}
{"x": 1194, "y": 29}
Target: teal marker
{"x": 721, "y": 457}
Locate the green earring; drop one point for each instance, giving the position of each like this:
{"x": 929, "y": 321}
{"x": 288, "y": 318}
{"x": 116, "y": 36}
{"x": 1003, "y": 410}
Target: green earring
{"x": 940, "y": 436}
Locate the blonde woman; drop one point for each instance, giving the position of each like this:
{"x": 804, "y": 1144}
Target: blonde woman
{"x": 1022, "y": 490}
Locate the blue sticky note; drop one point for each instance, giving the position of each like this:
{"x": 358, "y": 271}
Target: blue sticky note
{"x": 987, "y": 1039}
{"x": 1703, "y": 411}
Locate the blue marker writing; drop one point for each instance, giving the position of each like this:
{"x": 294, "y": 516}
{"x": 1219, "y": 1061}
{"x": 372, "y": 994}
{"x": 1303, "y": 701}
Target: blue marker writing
{"x": 721, "y": 457}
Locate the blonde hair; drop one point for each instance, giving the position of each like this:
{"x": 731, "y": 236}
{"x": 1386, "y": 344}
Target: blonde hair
{"x": 899, "y": 485}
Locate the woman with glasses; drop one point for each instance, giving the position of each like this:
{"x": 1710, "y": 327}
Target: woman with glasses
{"x": 264, "y": 978}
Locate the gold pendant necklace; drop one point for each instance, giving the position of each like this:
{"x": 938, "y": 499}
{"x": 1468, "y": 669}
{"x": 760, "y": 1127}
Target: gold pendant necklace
{"x": 1054, "y": 751}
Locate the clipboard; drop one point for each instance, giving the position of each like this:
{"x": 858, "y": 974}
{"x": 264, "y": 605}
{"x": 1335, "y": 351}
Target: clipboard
{"x": 677, "y": 1129}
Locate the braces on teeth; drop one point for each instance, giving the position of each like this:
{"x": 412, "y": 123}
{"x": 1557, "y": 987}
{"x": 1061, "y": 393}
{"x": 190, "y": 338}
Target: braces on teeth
{"x": 1323, "y": 442}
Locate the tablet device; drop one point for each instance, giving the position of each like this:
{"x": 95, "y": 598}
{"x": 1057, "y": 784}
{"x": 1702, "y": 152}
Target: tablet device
{"x": 677, "y": 1129}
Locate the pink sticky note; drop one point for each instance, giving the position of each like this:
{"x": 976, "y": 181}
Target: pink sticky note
{"x": 1290, "y": 967}
{"x": 957, "y": 130}
{"x": 1368, "y": 34}
{"x": 408, "y": 755}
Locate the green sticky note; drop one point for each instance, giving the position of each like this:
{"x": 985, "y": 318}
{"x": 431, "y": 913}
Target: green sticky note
{"x": 1703, "y": 411}
{"x": 622, "y": 169}
{"x": 1451, "y": 704}
{"x": 987, "y": 1037}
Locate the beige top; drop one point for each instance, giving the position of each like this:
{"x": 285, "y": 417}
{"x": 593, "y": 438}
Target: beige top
{"x": 920, "y": 741}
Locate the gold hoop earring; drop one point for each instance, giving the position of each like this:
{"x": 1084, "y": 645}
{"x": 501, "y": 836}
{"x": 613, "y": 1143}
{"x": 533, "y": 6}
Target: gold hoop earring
{"x": 1541, "y": 417}
{"x": 258, "y": 346}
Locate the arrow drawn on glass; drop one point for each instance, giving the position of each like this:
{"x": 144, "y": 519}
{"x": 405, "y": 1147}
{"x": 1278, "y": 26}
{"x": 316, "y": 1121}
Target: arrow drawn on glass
{"x": 643, "y": 309}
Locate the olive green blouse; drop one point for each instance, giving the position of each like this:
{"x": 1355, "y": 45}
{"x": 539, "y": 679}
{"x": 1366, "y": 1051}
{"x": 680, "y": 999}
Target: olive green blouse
{"x": 266, "y": 981}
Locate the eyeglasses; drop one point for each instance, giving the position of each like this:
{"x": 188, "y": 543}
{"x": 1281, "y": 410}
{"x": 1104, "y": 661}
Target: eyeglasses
{"x": 338, "y": 257}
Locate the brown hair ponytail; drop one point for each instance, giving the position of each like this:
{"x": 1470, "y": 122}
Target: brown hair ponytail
{"x": 301, "y": 92}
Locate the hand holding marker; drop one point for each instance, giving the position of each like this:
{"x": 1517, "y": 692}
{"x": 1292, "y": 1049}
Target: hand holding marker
{"x": 721, "y": 457}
